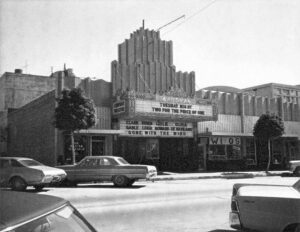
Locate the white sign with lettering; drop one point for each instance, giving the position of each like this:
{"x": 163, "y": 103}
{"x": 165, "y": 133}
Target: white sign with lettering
{"x": 218, "y": 140}
{"x": 148, "y": 106}
{"x": 119, "y": 107}
{"x": 156, "y": 128}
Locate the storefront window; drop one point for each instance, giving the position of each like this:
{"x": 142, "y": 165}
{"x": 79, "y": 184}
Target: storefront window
{"x": 292, "y": 148}
{"x": 217, "y": 152}
{"x": 250, "y": 151}
{"x": 277, "y": 153}
{"x": 233, "y": 152}
{"x": 152, "y": 149}
{"x": 80, "y": 147}
{"x": 224, "y": 148}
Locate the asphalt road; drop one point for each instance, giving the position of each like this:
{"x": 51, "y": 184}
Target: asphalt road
{"x": 182, "y": 205}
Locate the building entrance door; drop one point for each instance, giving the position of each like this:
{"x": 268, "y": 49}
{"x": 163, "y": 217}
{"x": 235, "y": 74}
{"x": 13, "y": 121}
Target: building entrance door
{"x": 98, "y": 146}
{"x": 202, "y": 157}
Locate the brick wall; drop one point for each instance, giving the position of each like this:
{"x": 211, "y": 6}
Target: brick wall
{"x": 30, "y": 130}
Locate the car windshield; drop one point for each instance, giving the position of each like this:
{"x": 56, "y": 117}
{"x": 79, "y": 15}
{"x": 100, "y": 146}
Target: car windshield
{"x": 30, "y": 162}
{"x": 122, "y": 161}
{"x": 66, "y": 219}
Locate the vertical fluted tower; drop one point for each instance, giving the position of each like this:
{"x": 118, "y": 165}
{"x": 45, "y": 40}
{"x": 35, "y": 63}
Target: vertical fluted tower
{"x": 145, "y": 64}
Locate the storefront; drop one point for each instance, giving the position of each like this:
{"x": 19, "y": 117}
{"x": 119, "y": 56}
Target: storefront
{"x": 91, "y": 142}
{"x": 160, "y": 130}
{"x": 244, "y": 152}
{"x": 221, "y": 152}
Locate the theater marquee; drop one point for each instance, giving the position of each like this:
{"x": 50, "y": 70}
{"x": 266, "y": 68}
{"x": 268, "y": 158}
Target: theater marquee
{"x": 145, "y": 128}
{"x": 164, "y": 108}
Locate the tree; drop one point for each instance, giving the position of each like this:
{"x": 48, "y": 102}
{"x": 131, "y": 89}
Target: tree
{"x": 268, "y": 127}
{"x": 74, "y": 112}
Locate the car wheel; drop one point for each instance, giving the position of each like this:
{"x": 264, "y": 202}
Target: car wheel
{"x": 38, "y": 187}
{"x": 120, "y": 181}
{"x": 18, "y": 184}
{"x": 297, "y": 229}
{"x": 130, "y": 182}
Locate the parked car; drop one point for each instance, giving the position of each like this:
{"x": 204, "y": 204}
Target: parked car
{"x": 30, "y": 212}
{"x": 20, "y": 172}
{"x": 108, "y": 168}
{"x": 294, "y": 166}
{"x": 265, "y": 207}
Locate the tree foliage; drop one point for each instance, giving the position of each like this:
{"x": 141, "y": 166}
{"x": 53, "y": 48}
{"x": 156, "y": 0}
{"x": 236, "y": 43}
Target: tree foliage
{"x": 74, "y": 112}
{"x": 268, "y": 127}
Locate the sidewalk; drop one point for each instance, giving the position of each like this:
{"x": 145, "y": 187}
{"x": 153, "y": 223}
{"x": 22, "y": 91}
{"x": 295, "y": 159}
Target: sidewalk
{"x": 215, "y": 175}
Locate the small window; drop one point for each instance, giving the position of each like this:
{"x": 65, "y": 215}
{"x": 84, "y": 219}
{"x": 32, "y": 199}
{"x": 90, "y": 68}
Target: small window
{"x": 105, "y": 161}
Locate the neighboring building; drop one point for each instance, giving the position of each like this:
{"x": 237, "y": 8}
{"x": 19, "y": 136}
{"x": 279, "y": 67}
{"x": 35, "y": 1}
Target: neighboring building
{"x": 289, "y": 93}
{"x": 229, "y": 143}
{"x": 16, "y": 90}
{"x": 29, "y": 127}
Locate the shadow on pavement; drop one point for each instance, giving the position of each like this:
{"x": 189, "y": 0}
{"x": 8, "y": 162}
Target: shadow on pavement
{"x": 102, "y": 186}
{"x": 220, "y": 230}
{"x": 26, "y": 191}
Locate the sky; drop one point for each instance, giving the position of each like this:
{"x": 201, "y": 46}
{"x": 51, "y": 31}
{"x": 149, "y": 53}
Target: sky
{"x": 239, "y": 43}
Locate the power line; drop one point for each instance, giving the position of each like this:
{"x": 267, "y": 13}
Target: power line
{"x": 182, "y": 16}
{"x": 193, "y": 15}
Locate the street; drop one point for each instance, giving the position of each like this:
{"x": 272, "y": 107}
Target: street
{"x": 179, "y": 205}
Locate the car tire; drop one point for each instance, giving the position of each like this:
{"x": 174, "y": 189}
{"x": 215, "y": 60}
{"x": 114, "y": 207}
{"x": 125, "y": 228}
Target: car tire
{"x": 130, "y": 182}
{"x": 120, "y": 181}
{"x": 297, "y": 229}
{"x": 39, "y": 187}
{"x": 18, "y": 184}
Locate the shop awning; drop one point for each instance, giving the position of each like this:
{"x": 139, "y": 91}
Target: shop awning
{"x": 101, "y": 131}
{"x": 241, "y": 134}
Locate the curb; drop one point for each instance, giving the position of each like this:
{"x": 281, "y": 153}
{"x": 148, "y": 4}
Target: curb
{"x": 221, "y": 176}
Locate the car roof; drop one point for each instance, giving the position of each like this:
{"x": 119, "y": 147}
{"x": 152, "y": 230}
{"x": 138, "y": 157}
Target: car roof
{"x": 19, "y": 207}
{"x": 102, "y": 156}
{"x": 16, "y": 158}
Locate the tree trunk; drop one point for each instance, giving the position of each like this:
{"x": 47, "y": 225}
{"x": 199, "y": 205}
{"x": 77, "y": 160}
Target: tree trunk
{"x": 269, "y": 155}
{"x": 72, "y": 147}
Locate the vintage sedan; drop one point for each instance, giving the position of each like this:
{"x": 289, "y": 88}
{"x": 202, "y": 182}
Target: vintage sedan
{"x": 107, "y": 168}
{"x": 20, "y": 172}
{"x": 294, "y": 167}
{"x": 30, "y": 212}
{"x": 266, "y": 207}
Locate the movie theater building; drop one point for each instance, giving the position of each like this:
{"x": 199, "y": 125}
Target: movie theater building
{"x": 154, "y": 105}
{"x": 228, "y": 143}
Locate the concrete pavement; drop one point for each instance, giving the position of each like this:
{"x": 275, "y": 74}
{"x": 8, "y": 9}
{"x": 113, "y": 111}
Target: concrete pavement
{"x": 210, "y": 175}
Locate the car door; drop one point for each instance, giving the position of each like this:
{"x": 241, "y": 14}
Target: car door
{"x": 107, "y": 168}
{"x": 87, "y": 170}
{"x": 19, "y": 170}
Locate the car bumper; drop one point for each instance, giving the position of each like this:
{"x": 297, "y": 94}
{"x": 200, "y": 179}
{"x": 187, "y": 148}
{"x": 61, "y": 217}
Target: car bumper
{"x": 151, "y": 176}
{"x": 58, "y": 178}
{"x": 234, "y": 220}
{"x": 53, "y": 179}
